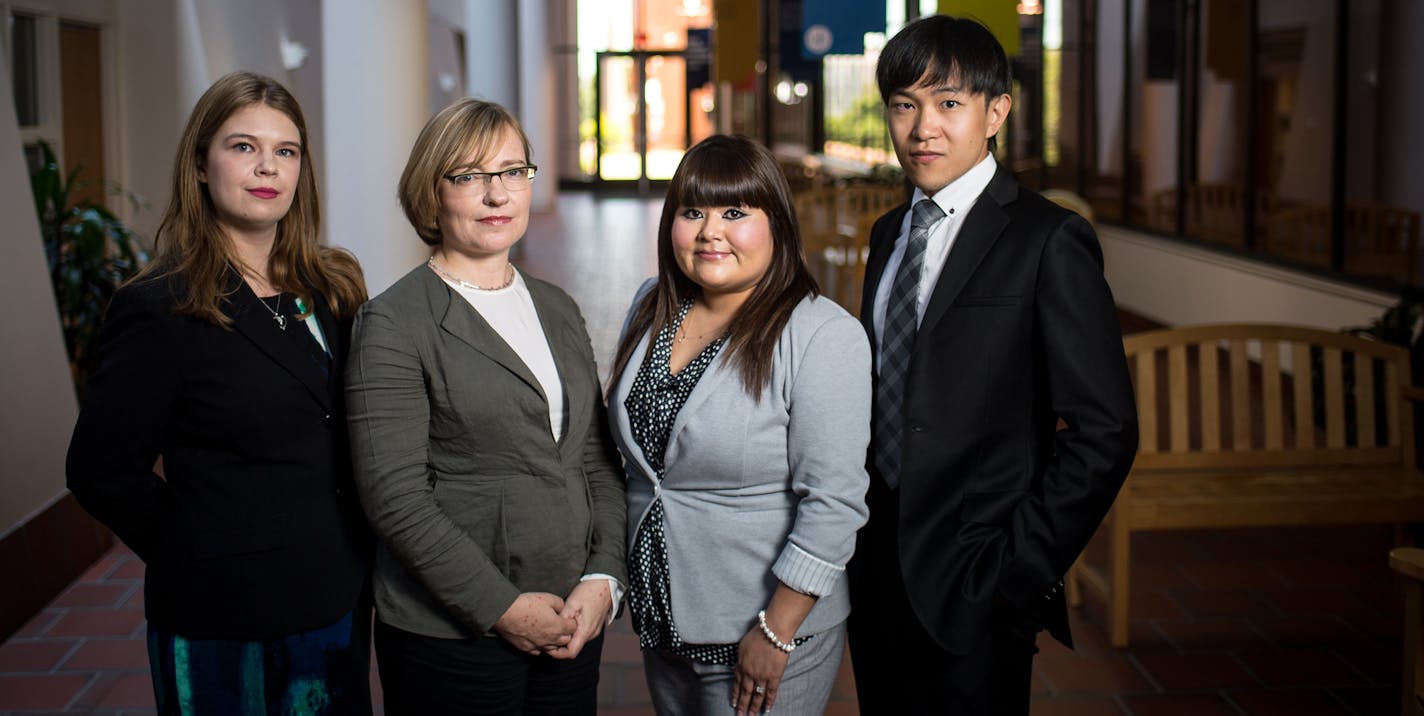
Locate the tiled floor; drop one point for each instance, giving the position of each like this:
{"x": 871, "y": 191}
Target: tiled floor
{"x": 1251, "y": 622}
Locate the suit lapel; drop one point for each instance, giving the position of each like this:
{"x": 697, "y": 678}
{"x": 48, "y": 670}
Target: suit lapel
{"x": 567, "y": 356}
{"x": 983, "y": 226}
{"x": 255, "y": 323}
{"x": 462, "y": 321}
{"x": 718, "y": 372}
{"x": 623, "y": 424}
{"x": 882, "y": 244}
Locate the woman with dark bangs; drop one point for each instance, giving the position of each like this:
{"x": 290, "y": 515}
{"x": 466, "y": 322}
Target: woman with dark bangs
{"x": 741, "y": 402}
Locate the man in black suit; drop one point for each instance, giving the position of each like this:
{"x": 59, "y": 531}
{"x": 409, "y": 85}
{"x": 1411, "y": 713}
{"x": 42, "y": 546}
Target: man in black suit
{"x": 991, "y": 322}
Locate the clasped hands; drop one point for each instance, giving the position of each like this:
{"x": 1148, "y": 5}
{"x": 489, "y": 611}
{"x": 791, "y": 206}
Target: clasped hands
{"x": 539, "y": 622}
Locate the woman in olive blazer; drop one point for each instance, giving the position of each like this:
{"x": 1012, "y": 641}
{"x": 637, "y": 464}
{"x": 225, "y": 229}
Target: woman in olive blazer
{"x": 481, "y": 450}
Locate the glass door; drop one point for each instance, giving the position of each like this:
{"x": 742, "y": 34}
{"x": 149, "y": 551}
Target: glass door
{"x": 642, "y": 123}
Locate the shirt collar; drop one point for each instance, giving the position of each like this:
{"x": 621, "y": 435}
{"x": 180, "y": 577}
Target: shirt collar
{"x": 956, "y": 198}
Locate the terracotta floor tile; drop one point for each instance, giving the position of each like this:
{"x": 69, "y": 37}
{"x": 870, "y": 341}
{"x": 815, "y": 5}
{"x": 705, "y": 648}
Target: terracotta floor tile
{"x": 1308, "y": 630}
{"x": 1100, "y": 675}
{"x": 127, "y": 691}
{"x": 1220, "y": 603}
{"x": 112, "y": 654}
{"x": 33, "y": 656}
{"x": 1074, "y": 706}
{"x": 849, "y": 708}
{"x": 1225, "y": 633}
{"x": 1380, "y": 663}
{"x": 1290, "y": 702}
{"x": 130, "y": 569}
{"x": 98, "y": 622}
{"x": 1178, "y": 705}
{"x": 1313, "y": 600}
{"x": 1219, "y": 575}
{"x": 1185, "y": 672}
{"x": 40, "y": 692}
{"x": 135, "y": 600}
{"x": 1155, "y": 605}
{"x": 1381, "y": 700}
{"x": 98, "y": 571}
{"x": 1300, "y": 667}
{"x": 38, "y": 625}
{"x": 93, "y": 595}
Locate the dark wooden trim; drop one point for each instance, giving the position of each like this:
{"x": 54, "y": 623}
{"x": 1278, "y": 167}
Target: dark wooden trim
{"x": 41, "y": 557}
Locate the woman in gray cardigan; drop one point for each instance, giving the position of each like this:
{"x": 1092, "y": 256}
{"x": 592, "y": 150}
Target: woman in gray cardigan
{"x": 741, "y": 403}
{"x": 481, "y": 450}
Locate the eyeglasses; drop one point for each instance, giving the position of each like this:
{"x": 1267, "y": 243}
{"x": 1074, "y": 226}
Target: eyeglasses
{"x": 513, "y": 178}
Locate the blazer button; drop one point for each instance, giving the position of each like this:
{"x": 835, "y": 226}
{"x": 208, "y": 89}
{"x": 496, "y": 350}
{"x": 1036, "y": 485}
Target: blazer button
{"x": 917, "y": 428}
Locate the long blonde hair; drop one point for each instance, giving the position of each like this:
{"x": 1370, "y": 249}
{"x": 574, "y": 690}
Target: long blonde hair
{"x": 190, "y": 242}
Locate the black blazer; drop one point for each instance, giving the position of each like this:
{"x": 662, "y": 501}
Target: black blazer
{"x": 1020, "y": 331}
{"x": 253, "y": 530}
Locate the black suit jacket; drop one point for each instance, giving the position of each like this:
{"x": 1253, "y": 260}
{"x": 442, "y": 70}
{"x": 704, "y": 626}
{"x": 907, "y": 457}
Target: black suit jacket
{"x": 253, "y": 530}
{"x": 1020, "y": 331}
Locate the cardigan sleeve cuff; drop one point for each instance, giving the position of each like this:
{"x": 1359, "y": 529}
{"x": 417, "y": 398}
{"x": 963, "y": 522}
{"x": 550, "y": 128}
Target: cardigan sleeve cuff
{"x": 805, "y": 573}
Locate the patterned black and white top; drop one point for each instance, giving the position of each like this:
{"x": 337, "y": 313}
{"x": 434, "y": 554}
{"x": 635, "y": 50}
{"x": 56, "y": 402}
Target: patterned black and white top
{"x": 653, "y": 403}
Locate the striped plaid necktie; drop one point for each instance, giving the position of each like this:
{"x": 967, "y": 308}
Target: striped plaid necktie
{"x": 897, "y": 342}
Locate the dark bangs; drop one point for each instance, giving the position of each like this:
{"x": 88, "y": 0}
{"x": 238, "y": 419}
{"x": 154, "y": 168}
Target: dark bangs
{"x": 719, "y": 175}
{"x": 944, "y": 50}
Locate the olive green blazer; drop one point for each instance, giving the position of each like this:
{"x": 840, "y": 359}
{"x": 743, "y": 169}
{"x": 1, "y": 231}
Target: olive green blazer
{"x": 471, "y": 498}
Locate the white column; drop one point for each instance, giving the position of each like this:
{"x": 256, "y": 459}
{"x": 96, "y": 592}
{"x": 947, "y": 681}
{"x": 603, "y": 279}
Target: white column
{"x": 538, "y": 98}
{"x": 490, "y": 38}
{"x": 375, "y": 87}
{"x": 37, "y": 406}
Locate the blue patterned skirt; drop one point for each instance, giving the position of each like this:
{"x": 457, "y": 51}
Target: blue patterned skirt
{"x": 323, "y": 671}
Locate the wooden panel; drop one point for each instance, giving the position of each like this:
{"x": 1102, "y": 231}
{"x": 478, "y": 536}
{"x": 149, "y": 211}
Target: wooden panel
{"x": 1290, "y": 457}
{"x": 1177, "y": 407}
{"x": 1304, "y": 397}
{"x": 1146, "y": 402}
{"x": 1271, "y": 394}
{"x": 82, "y": 108}
{"x": 1391, "y": 390}
{"x": 1240, "y": 397}
{"x": 1365, "y": 402}
{"x": 1334, "y": 399}
{"x": 1210, "y": 396}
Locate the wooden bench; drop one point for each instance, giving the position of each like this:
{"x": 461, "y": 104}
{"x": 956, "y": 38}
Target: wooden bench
{"x": 1409, "y": 563}
{"x": 1258, "y": 426}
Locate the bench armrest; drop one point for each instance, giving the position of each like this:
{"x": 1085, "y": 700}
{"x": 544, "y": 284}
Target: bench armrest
{"x": 1412, "y": 392}
{"x": 1408, "y": 561}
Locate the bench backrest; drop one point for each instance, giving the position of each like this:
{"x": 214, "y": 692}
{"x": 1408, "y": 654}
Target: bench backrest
{"x": 1268, "y": 396}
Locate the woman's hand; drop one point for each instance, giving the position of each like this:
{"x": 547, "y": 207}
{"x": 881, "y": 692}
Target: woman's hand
{"x": 533, "y": 623}
{"x": 759, "y": 664}
{"x": 588, "y": 605}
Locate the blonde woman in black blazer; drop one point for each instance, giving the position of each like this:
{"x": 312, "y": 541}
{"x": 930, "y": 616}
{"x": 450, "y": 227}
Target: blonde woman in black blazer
{"x": 222, "y": 362}
{"x": 482, "y": 455}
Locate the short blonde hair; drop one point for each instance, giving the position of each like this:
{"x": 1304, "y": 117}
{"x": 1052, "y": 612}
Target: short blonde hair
{"x": 469, "y": 127}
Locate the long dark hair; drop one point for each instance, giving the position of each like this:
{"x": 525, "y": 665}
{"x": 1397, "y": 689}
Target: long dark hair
{"x": 190, "y": 242}
{"x": 729, "y": 171}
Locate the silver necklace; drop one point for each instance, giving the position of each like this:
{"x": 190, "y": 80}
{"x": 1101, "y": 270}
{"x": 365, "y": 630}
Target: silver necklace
{"x": 276, "y": 313}
{"x": 462, "y": 283}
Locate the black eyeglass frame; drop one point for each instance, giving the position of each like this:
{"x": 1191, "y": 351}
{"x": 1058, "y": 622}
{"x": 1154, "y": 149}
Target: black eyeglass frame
{"x": 532, "y": 169}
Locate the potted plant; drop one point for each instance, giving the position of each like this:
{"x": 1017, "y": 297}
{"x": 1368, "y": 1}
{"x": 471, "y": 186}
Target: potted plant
{"x": 90, "y": 253}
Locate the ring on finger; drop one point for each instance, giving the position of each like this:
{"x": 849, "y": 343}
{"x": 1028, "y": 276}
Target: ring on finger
{"x": 760, "y": 688}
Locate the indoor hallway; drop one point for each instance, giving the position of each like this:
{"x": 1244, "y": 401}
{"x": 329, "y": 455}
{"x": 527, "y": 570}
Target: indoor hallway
{"x": 1241, "y": 622}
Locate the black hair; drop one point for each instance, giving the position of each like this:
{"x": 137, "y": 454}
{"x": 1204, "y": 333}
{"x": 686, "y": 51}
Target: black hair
{"x": 947, "y": 48}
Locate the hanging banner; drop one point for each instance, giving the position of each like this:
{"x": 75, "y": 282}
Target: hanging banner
{"x": 736, "y": 42}
{"x": 1000, "y": 16}
{"x": 838, "y": 27}
{"x": 790, "y": 60}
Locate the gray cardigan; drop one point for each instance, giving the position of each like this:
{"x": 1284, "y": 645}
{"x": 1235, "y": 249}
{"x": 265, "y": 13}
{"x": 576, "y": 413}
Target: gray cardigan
{"x": 761, "y": 492}
{"x": 471, "y": 498}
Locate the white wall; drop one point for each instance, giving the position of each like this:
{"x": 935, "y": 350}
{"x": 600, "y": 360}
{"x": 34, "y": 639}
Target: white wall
{"x": 375, "y": 64}
{"x": 1178, "y": 284}
{"x": 37, "y": 405}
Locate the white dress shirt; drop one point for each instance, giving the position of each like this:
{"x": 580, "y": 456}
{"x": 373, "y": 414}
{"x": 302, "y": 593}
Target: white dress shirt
{"x": 956, "y": 200}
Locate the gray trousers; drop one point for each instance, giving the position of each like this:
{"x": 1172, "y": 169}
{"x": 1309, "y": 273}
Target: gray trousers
{"x": 683, "y": 687}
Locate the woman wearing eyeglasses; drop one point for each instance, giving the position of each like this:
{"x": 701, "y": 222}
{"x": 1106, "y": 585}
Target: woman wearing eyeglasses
{"x": 481, "y": 450}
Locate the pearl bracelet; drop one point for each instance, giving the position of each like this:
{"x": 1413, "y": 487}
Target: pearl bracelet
{"x": 771, "y": 636}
